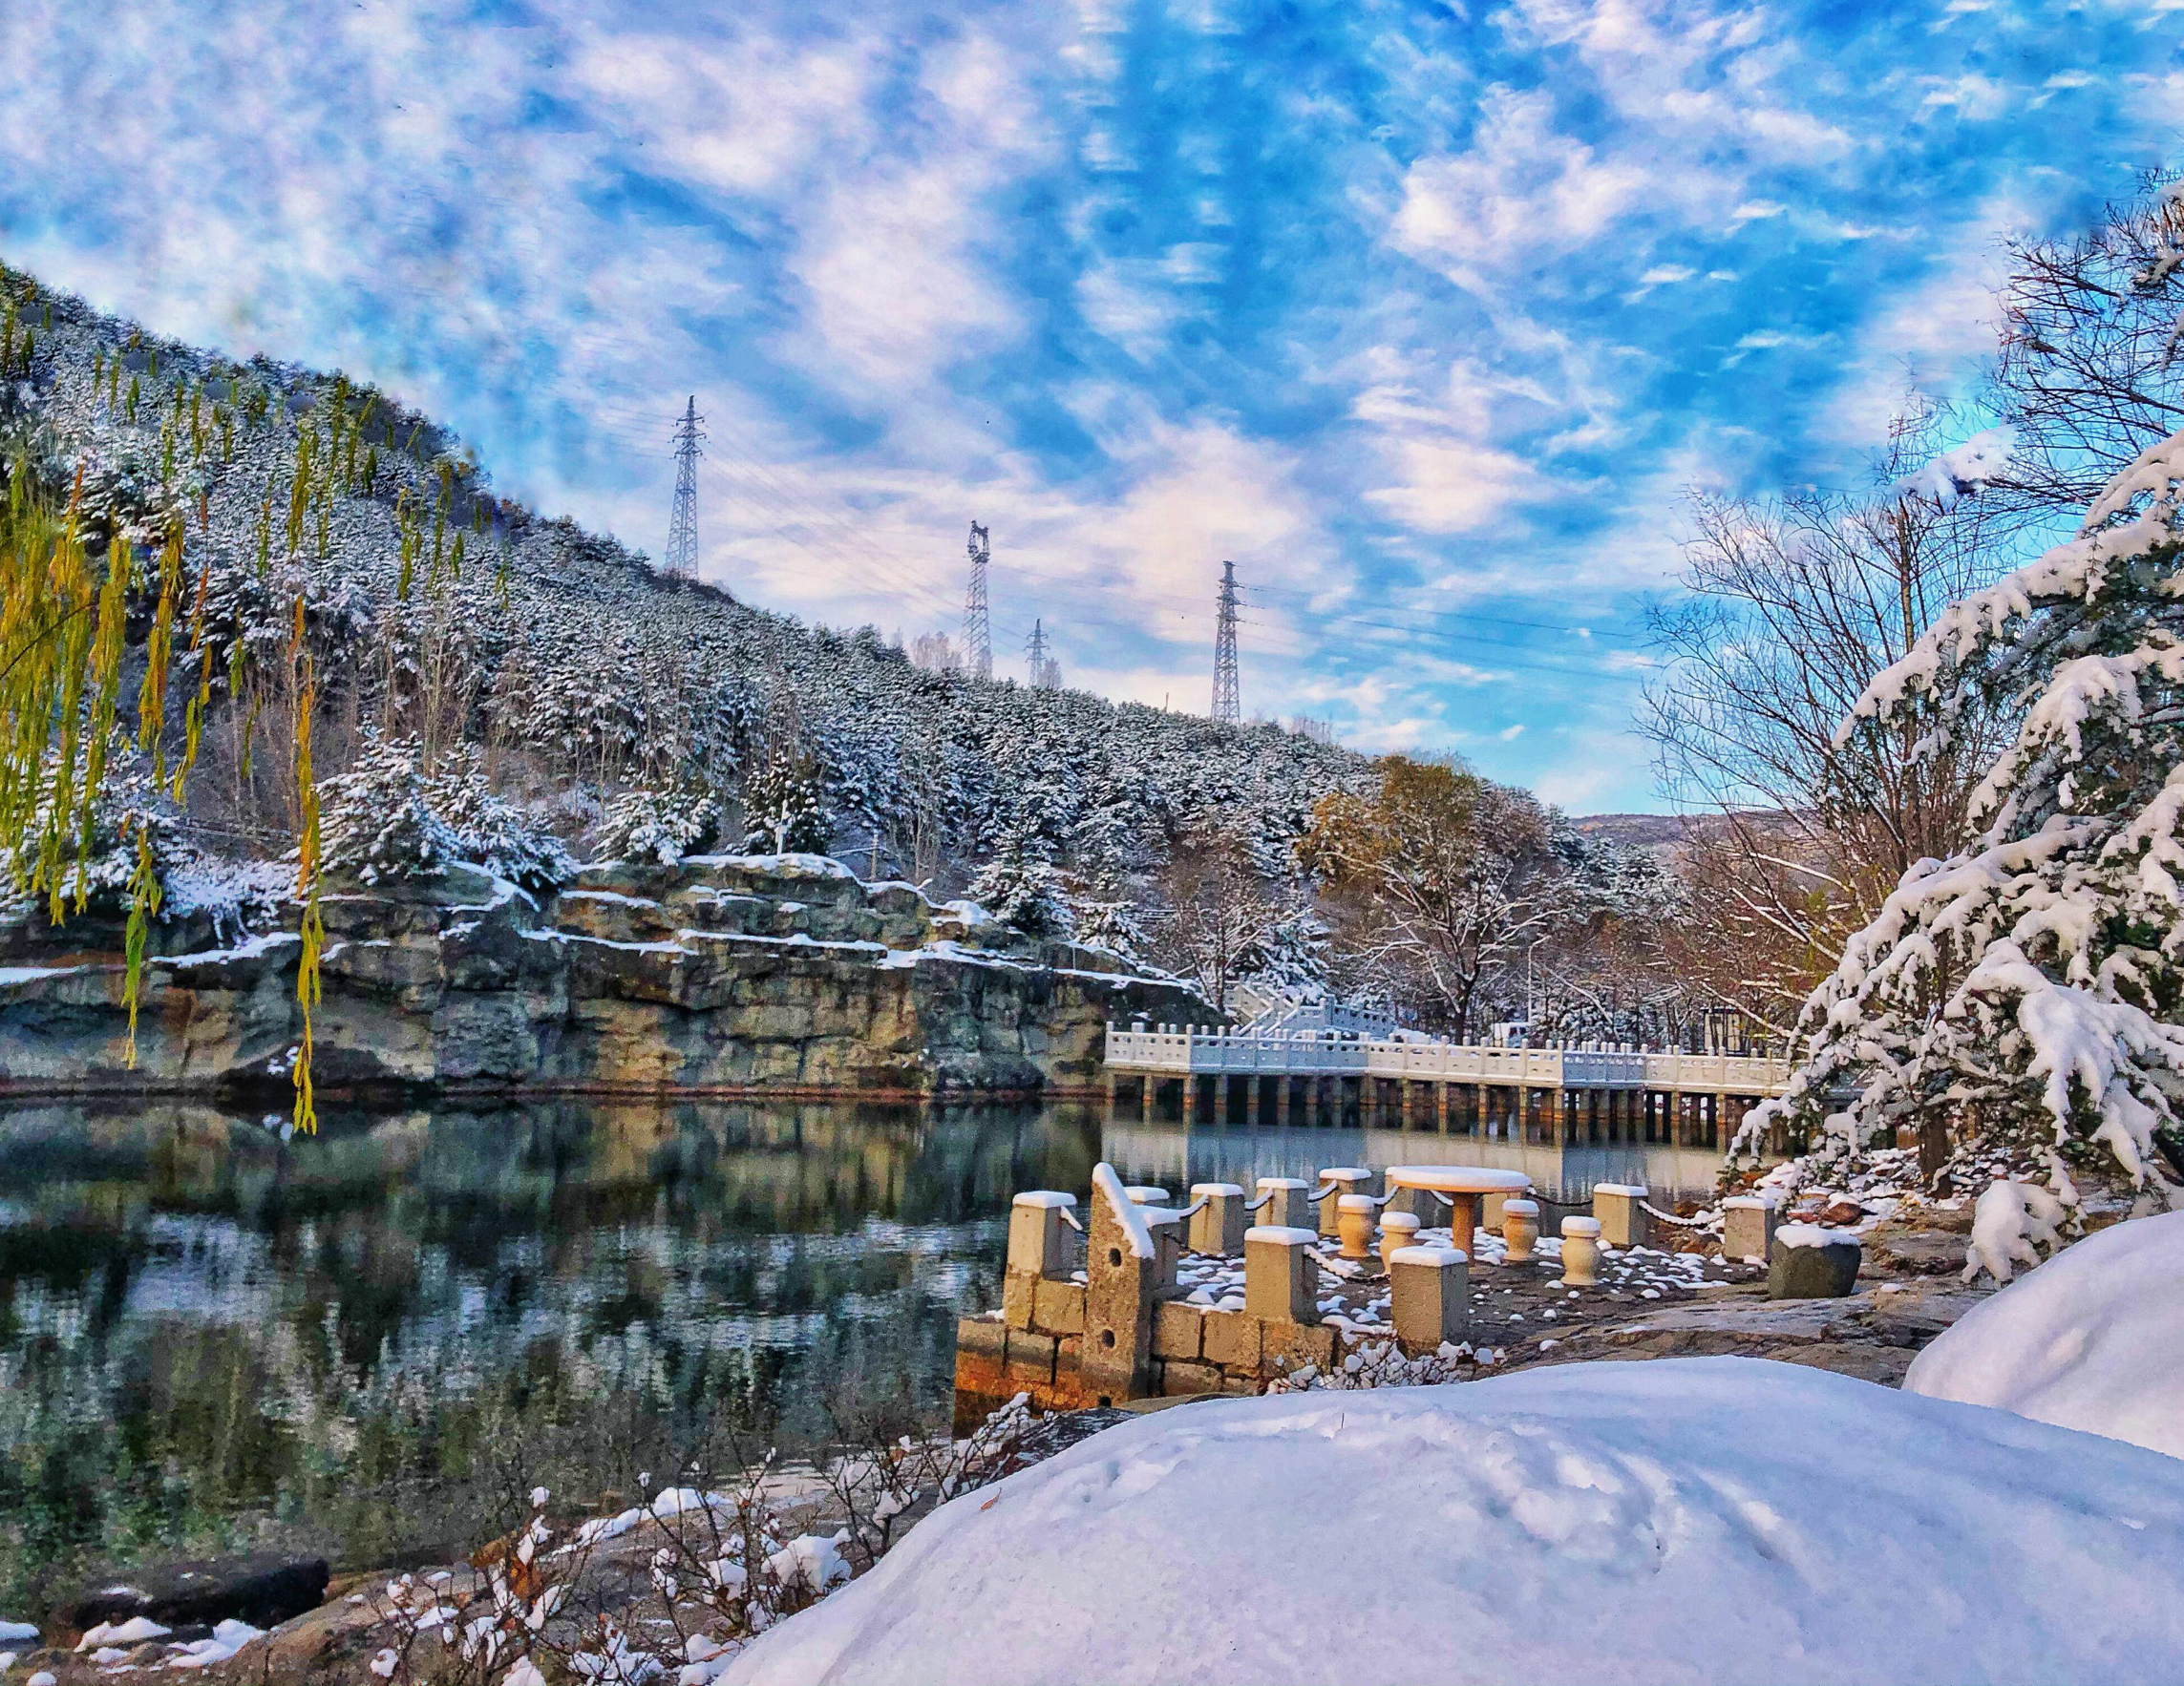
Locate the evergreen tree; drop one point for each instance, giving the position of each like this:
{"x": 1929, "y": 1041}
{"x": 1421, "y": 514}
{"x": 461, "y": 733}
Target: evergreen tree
{"x": 2029, "y": 990}
{"x": 1019, "y": 886}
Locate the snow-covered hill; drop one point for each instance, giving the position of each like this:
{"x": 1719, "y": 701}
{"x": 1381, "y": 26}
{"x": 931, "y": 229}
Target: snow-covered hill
{"x": 566, "y": 661}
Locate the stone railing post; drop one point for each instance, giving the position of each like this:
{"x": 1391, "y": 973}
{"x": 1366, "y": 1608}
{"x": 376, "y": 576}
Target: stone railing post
{"x": 1622, "y": 1211}
{"x": 1288, "y": 1204}
{"x": 1748, "y": 1228}
{"x": 1217, "y": 1225}
{"x": 1429, "y": 1296}
{"x": 1122, "y": 1275}
{"x": 1279, "y": 1273}
{"x": 1338, "y": 1181}
{"x": 1039, "y": 1250}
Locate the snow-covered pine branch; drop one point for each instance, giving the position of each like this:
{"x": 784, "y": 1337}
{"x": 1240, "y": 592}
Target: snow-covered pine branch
{"x": 2030, "y": 989}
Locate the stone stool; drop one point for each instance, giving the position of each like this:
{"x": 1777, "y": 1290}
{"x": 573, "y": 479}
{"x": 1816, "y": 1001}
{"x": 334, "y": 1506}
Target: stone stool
{"x": 1397, "y": 1228}
{"x": 1621, "y": 1208}
{"x": 1339, "y": 1181}
{"x": 1748, "y": 1228}
{"x": 1429, "y": 1296}
{"x": 1217, "y": 1224}
{"x": 1582, "y": 1252}
{"x": 1519, "y": 1230}
{"x": 1353, "y": 1223}
{"x": 1279, "y": 1273}
{"x": 1287, "y": 1205}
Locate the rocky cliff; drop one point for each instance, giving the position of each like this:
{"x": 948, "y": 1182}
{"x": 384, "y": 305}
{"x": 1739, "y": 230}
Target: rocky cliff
{"x": 723, "y": 971}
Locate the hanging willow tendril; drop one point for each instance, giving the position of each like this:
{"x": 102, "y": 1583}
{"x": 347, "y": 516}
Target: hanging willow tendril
{"x": 64, "y": 635}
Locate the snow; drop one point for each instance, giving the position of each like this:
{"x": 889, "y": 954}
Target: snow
{"x": 1977, "y": 462}
{"x": 1043, "y": 1198}
{"x": 2089, "y": 1340}
{"x": 11, "y": 1632}
{"x": 1436, "y": 1256}
{"x": 227, "y": 1639}
{"x": 133, "y": 1631}
{"x": 1283, "y": 1234}
{"x": 1680, "y": 1520}
{"x": 1814, "y": 1235}
{"x": 1108, "y": 1186}
{"x": 2009, "y": 1220}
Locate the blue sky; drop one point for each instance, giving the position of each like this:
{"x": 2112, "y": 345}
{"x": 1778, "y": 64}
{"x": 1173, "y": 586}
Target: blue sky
{"x": 1427, "y": 315}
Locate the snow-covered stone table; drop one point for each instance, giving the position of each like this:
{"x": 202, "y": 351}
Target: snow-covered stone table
{"x": 1462, "y": 1186}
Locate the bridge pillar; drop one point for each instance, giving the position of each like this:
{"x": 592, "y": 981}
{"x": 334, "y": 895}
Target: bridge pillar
{"x": 1190, "y": 1097}
{"x": 1221, "y": 1100}
{"x": 1441, "y": 1108}
{"x": 1145, "y": 1088}
{"x": 1281, "y": 1100}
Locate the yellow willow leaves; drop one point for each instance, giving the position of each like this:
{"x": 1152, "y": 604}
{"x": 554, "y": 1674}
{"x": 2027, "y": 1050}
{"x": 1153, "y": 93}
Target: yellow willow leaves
{"x": 313, "y": 926}
{"x": 159, "y": 653}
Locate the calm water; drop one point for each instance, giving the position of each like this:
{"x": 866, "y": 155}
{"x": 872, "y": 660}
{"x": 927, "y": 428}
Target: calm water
{"x": 369, "y": 1343}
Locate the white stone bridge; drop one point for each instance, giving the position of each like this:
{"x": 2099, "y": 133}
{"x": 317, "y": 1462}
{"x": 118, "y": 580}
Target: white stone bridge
{"x": 1558, "y": 1094}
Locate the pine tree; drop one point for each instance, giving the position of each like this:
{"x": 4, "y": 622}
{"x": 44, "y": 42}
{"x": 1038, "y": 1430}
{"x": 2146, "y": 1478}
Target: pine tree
{"x": 1019, "y": 886}
{"x": 2030, "y": 989}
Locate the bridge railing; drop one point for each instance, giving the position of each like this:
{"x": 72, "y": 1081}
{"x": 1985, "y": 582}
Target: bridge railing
{"x": 1187, "y": 1050}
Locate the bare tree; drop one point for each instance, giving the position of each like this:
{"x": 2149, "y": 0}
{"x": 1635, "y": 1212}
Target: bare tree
{"x": 2087, "y": 373}
{"x": 1218, "y": 911}
{"x": 1793, "y": 604}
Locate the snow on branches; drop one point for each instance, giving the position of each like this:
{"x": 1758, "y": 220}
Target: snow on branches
{"x": 2031, "y": 987}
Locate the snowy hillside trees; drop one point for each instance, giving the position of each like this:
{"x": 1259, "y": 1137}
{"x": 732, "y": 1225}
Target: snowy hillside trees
{"x": 432, "y": 610}
{"x": 2030, "y": 986}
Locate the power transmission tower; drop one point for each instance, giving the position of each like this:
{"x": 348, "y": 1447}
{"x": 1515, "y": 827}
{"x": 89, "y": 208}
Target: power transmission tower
{"x": 683, "y": 529}
{"x": 1046, "y": 666}
{"x": 1227, "y": 708}
{"x": 977, "y": 632}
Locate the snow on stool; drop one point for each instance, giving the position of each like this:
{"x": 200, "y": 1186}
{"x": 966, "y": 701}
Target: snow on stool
{"x": 1429, "y": 1296}
{"x": 1278, "y": 1274}
{"x": 1217, "y": 1224}
{"x": 1748, "y": 1228}
{"x": 1145, "y": 1194}
{"x": 1809, "y": 1261}
{"x": 1582, "y": 1252}
{"x": 1621, "y": 1208}
{"x": 1519, "y": 1230}
{"x": 1397, "y": 1230}
{"x": 1336, "y": 1182}
{"x": 1353, "y": 1223}
{"x": 1284, "y": 1203}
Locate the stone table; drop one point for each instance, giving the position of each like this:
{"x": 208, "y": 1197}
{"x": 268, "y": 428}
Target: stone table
{"x": 1463, "y": 1185}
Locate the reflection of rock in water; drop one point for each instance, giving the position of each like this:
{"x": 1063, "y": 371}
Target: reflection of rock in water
{"x": 720, "y": 973}
{"x": 340, "y": 1344}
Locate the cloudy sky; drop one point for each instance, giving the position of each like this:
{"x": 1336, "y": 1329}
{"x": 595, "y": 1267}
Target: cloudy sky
{"x": 1427, "y": 315}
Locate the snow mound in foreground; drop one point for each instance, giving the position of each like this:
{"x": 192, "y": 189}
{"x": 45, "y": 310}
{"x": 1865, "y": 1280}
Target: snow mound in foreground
{"x": 1680, "y": 1520}
{"x": 2091, "y": 1339}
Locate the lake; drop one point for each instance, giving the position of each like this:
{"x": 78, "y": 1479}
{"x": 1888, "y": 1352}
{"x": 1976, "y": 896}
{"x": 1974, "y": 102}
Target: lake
{"x": 370, "y": 1342}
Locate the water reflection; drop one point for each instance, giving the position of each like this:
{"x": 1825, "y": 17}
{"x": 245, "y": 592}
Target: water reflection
{"x": 367, "y": 1343}
{"x": 1173, "y": 1157}
{"x": 209, "y": 1339}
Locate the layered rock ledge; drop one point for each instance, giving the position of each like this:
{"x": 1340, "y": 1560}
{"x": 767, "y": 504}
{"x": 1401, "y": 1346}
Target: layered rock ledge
{"x": 719, "y": 973}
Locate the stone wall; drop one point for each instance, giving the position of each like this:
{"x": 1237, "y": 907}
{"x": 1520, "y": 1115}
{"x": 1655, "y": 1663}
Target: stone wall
{"x": 720, "y": 973}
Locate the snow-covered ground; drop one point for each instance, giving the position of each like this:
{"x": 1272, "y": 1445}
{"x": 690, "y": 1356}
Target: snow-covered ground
{"x": 1684, "y": 1520}
{"x": 2091, "y": 1339}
